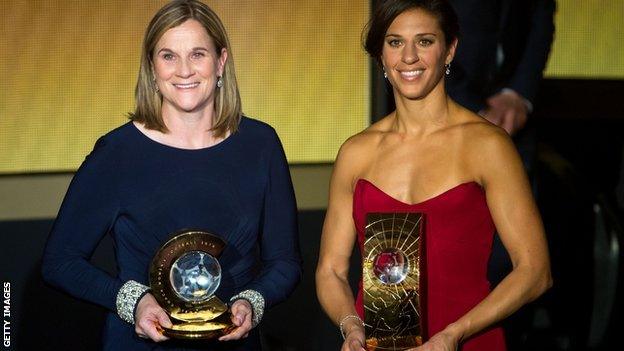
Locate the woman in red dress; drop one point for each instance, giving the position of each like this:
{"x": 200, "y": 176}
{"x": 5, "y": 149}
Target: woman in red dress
{"x": 433, "y": 156}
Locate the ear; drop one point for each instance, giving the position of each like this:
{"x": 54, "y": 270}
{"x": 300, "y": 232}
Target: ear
{"x": 222, "y": 59}
{"x": 382, "y": 62}
{"x": 450, "y": 53}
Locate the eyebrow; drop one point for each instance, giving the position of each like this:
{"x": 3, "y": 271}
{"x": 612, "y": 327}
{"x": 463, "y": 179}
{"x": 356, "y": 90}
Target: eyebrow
{"x": 400, "y": 36}
{"x": 197, "y": 48}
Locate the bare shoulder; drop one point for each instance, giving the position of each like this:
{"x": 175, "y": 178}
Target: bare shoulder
{"x": 356, "y": 152}
{"x": 364, "y": 142}
{"x": 490, "y": 152}
{"x": 488, "y": 140}
{"x": 479, "y": 135}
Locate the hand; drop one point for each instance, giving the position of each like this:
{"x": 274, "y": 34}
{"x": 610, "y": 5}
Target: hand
{"x": 442, "y": 341}
{"x": 241, "y": 318}
{"x": 507, "y": 110}
{"x": 354, "y": 338}
{"x": 149, "y": 319}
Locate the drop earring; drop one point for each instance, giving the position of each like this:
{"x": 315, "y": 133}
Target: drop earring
{"x": 384, "y": 72}
{"x": 219, "y": 82}
{"x": 447, "y": 68}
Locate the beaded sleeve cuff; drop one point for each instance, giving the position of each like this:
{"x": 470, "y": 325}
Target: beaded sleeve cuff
{"x": 256, "y": 301}
{"x": 128, "y": 297}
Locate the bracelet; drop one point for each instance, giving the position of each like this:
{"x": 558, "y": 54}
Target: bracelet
{"x": 256, "y": 300}
{"x": 127, "y": 299}
{"x": 344, "y": 319}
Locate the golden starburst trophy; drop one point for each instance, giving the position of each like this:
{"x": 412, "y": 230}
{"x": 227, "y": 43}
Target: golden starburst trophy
{"x": 184, "y": 275}
{"x": 393, "y": 275}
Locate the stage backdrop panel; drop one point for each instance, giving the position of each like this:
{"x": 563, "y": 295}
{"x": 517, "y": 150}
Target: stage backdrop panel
{"x": 69, "y": 70}
{"x": 588, "y": 40}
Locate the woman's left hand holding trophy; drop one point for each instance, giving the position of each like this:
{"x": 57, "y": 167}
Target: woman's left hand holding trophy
{"x": 241, "y": 318}
{"x": 149, "y": 318}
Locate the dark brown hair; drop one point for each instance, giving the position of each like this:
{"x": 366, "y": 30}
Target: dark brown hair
{"x": 387, "y": 11}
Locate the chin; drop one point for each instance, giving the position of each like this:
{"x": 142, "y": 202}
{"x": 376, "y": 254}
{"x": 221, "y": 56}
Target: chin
{"x": 411, "y": 94}
{"x": 189, "y": 106}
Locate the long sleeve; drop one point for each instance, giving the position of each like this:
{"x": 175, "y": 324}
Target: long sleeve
{"x": 279, "y": 242}
{"x": 528, "y": 73}
{"x": 86, "y": 215}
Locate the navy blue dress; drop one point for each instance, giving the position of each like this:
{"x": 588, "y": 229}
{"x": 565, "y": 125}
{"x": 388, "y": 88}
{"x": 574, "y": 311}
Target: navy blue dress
{"x": 140, "y": 191}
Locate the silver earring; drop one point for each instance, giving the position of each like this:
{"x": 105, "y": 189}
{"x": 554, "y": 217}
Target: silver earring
{"x": 448, "y": 68}
{"x": 384, "y": 72}
{"x": 219, "y": 82}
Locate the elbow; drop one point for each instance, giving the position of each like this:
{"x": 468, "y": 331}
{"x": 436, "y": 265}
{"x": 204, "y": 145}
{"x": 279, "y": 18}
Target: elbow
{"x": 547, "y": 282}
{"x": 321, "y": 275}
{"x": 543, "y": 282}
{"x": 49, "y": 272}
{"x": 55, "y": 268}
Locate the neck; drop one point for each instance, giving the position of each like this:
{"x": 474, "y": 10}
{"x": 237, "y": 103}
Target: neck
{"x": 190, "y": 130}
{"x": 421, "y": 116}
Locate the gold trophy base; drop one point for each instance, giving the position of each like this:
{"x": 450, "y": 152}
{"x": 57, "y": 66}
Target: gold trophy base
{"x": 393, "y": 343}
{"x": 200, "y": 330}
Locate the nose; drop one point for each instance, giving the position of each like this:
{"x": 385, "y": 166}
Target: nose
{"x": 184, "y": 69}
{"x": 409, "y": 54}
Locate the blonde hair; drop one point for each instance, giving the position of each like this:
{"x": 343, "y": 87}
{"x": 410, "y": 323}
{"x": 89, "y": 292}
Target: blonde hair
{"x": 228, "y": 108}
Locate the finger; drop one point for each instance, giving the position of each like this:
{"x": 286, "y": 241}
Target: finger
{"x": 240, "y": 310}
{"x": 239, "y": 331}
{"x": 243, "y": 329}
{"x": 236, "y": 334}
{"x": 508, "y": 122}
{"x": 163, "y": 319}
{"x": 492, "y": 116}
{"x": 153, "y": 332}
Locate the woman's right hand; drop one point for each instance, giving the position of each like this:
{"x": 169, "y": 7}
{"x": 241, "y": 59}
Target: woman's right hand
{"x": 354, "y": 339}
{"x": 149, "y": 318}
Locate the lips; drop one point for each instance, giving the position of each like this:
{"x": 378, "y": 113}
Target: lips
{"x": 186, "y": 86}
{"x": 411, "y": 75}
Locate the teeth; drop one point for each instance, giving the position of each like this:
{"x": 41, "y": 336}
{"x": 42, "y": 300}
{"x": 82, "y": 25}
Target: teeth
{"x": 414, "y": 73}
{"x": 186, "y": 86}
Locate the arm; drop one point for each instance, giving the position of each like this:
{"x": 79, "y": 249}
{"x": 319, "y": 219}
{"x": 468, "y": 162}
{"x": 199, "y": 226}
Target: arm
{"x": 500, "y": 171}
{"x": 86, "y": 215}
{"x": 337, "y": 240}
{"x": 279, "y": 244}
{"x": 510, "y": 107}
{"x": 528, "y": 74}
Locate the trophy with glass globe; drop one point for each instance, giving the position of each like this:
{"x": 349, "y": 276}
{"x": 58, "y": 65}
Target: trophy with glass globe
{"x": 184, "y": 275}
{"x": 394, "y": 281}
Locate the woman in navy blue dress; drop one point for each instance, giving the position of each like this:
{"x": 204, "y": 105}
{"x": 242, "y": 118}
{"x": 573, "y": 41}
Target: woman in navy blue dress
{"x": 187, "y": 159}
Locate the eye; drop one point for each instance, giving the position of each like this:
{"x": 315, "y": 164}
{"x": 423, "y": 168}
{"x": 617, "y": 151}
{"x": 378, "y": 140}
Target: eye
{"x": 425, "y": 42}
{"x": 394, "y": 42}
{"x": 168, "y": 56}
{"x": 198, "y": 54}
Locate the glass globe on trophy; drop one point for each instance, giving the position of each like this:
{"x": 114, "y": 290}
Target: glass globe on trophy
{"x": 184, "y": 276}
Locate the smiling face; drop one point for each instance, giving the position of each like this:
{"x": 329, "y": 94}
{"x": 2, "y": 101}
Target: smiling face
{"x": 414, "y": 54}
{"x": 186, "y": 68}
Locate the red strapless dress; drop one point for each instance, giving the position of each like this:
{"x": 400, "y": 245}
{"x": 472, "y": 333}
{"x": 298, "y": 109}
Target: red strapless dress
{"x": 459, "y": 232}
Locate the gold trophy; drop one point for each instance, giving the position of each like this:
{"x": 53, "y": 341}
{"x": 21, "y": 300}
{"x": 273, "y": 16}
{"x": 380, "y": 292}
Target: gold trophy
{"x": 184, "y": 275}
{"x": 393, "y": 284}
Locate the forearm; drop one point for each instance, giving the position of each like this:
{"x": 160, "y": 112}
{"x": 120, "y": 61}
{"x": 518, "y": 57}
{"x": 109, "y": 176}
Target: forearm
{"x": 81, "y": 279}
{"x": 335, "y": 295}
{"x": 277, "y": 279}
{"x": 522, "y": 285}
